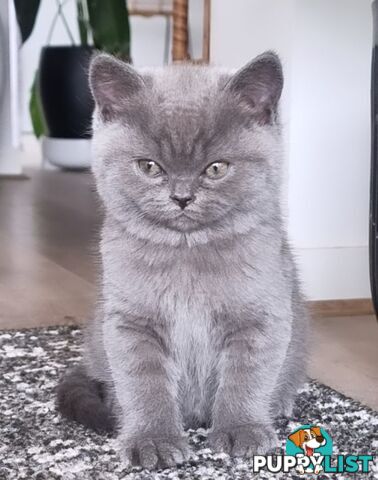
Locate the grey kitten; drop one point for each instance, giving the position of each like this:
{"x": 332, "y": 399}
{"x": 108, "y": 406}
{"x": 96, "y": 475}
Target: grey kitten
{"x": 201, "y": 321}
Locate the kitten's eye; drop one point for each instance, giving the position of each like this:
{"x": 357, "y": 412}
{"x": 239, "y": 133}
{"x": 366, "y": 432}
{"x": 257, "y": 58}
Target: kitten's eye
{"x": 217, "y": 170}
{"x": 150, "y": 168}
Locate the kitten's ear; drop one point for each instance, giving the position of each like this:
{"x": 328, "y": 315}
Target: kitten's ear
{"x": 260, "y": 84}
{"x": 112, "y": 83}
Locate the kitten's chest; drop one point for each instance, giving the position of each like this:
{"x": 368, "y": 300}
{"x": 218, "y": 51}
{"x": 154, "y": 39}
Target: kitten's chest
{"x": 193, "y": 343}
{"x": 190, "y": 317}
{"x": 188, "y": 303}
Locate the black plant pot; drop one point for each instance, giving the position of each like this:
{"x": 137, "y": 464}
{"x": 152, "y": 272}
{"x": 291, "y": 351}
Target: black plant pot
{"x": 67, "y": 102}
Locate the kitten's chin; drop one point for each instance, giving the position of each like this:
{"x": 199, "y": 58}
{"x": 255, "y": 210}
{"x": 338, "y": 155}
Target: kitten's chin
{"x": 184, "y": 224}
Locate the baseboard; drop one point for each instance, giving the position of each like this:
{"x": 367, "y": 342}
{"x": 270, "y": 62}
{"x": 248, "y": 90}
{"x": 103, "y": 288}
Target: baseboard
{"x": 341, "y": 308}
{"x": 22, "y": 176}
{"x": 10, "y": 162}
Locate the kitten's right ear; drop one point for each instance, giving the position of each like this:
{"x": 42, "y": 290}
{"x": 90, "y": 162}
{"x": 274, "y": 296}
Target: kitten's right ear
{"x": 112, "y": 82}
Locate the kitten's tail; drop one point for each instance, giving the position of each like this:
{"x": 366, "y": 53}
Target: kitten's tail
{"x": 81, "y": 398}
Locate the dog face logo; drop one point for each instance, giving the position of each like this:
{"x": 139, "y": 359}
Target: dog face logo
{"x": 309, "y": 444}
{"x": 308, "y": 439}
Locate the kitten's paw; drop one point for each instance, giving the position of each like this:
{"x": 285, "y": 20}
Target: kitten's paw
{"x": 245, "y": 440}
{"x": 152, "y": 452}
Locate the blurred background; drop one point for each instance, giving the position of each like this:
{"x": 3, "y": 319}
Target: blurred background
{"x": 48, "y": 212}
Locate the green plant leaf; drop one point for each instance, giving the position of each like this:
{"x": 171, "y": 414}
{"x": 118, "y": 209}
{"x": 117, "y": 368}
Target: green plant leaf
{"x": 110, "y": 26}
{"x": 35, "y": 109}
{"x": 82, "y": 21}
{"x": 26, "y": 13}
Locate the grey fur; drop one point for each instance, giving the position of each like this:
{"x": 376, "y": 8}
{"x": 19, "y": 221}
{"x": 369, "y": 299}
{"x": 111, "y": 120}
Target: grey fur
{"x": 201, "y": 319}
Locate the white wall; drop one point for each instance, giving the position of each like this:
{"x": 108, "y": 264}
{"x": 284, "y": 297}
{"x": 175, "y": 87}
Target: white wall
{"x": 326, "y": 47}
{"x": 330, "y": 138}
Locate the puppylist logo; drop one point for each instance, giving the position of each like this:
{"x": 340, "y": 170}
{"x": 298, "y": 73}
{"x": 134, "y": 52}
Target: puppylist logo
{"x": 309, "y": 451}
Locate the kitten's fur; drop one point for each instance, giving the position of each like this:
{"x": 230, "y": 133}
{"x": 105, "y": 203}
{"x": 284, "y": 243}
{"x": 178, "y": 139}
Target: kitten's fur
{"x": 201, "y": 320}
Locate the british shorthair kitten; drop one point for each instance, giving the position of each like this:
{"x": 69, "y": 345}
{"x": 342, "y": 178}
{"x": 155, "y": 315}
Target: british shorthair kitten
{"x": 200, "y": 320}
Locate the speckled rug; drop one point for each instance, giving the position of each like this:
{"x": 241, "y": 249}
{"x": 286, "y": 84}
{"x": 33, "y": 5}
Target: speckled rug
{"x": 37, "y": 444}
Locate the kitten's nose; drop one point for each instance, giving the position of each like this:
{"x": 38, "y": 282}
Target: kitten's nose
{"x": 182, "y": 201}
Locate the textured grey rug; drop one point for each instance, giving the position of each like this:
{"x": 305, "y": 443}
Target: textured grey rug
{"x": 36, "y": 443}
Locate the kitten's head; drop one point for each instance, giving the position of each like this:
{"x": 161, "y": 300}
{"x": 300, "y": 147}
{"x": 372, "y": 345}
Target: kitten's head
{"x": 187, "y": 151}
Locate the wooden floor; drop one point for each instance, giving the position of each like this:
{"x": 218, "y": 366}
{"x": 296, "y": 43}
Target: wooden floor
{"x": 49, "y": 228}
{"x": 48, "y": 237}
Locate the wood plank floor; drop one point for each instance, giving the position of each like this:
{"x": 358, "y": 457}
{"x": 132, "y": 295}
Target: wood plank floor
{"x": 49, "y": 229}
{"x": 48, "y": 236}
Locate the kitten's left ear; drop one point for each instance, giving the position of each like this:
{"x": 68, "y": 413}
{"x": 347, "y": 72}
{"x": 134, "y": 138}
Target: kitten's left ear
{"x": 260, "y": 84}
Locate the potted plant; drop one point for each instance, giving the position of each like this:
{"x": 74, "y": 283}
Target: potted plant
{"x": 61, "y": 104}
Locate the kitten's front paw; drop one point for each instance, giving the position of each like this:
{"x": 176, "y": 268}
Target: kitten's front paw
{"x": 245, "y": 440}
{"x": 152, "y": 452}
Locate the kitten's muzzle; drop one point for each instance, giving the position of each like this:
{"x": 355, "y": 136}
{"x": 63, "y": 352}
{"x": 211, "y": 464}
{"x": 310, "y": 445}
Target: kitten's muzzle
{"x": 182, "y": 201}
